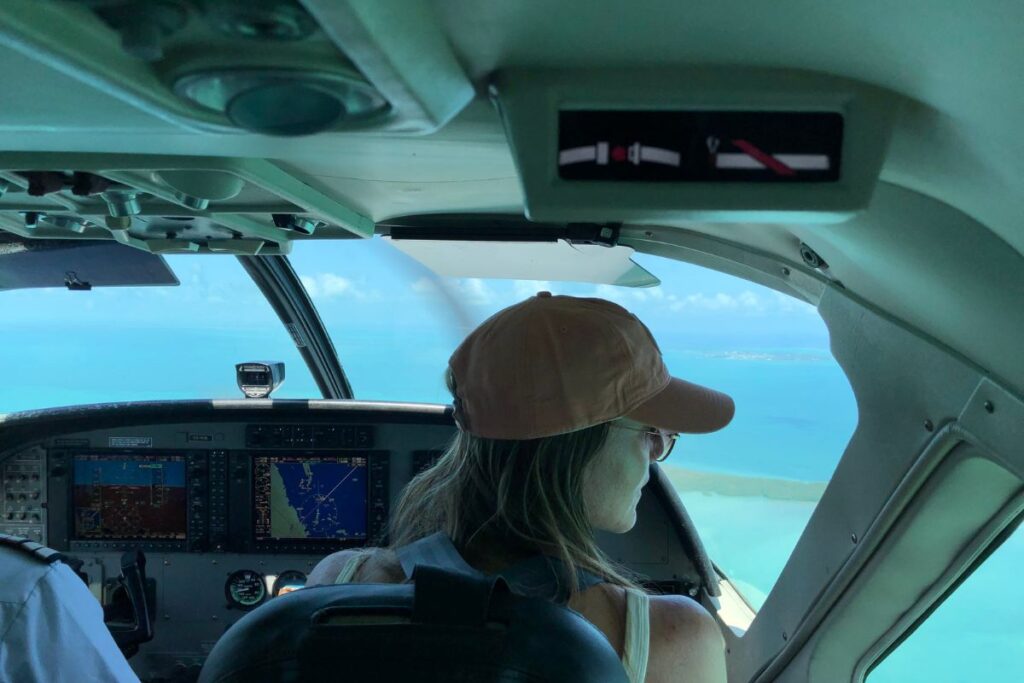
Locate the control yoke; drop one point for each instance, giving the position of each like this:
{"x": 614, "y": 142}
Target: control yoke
{"x": 138, "y": 629}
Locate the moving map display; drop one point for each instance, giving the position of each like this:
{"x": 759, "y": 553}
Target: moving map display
{"x": 129, "y": 497}
{"x": 310, "y": 497}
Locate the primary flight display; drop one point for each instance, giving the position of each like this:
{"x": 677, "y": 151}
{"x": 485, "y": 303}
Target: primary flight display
{"x": 129, "y": 497}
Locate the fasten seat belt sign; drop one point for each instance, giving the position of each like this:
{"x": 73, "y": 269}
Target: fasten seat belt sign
{"x": 634, "y": 154}
{"x": 680, "y": 146}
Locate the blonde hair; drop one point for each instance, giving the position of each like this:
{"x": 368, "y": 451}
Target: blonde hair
{"x": 502, "y": 501}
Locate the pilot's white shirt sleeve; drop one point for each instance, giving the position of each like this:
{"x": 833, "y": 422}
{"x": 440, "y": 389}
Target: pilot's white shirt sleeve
{"x": 51, "y": 626}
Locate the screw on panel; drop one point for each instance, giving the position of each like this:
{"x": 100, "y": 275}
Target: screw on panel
{"x": 785, "y": 271}
{"x": 122, "y": 202}
{"x": 785, "y": 636}
{"x": 195, "y": 203}
{"x": 167, "y": 563}
{"x": 990, "y": 407}
{"x": 853, "y": 537}
{"x": 69, "y": 223}
{"x": 32, "y": 218}
{"x": 811, "y": 257}
{"x": 648, "y": 234}
{"x": 117, "y": 222}
{"x": 929, "y": 426}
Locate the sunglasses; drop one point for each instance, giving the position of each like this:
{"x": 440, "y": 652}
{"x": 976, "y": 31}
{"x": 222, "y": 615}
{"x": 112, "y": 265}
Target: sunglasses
{"x": 660, "y": 443}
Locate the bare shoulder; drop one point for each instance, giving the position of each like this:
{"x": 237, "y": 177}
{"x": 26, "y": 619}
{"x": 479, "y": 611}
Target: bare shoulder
{"x": 380, "y": 566}
{"x": 685, "y": 637}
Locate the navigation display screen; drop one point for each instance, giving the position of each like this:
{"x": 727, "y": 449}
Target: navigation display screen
{"x": 129, "y": 497}
{"x": 310, "y": 497}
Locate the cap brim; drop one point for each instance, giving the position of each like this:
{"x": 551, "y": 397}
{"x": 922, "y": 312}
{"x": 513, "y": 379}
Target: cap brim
{"x": 686, "y": 408}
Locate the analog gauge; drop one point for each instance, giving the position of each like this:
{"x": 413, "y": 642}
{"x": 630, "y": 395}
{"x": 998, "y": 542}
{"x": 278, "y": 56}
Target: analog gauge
{"x": 245, "y": 589}
{"x": 289, "y": 581}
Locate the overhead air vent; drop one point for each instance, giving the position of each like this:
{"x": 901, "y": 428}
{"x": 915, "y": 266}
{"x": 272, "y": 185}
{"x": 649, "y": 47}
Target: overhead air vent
{"x": 284, "y": 101}
{"x": 274, "y": 67}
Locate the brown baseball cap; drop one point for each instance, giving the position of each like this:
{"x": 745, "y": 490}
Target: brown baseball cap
{"x": 555, "y": 364}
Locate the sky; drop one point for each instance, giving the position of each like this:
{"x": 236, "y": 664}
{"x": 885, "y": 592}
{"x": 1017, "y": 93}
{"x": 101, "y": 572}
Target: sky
{"x": 394, "y": 324}
{"x": 377, "y": 302}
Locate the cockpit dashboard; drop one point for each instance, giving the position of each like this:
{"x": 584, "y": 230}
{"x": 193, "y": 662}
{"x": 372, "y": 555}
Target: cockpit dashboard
{"x": 234, "y": 502}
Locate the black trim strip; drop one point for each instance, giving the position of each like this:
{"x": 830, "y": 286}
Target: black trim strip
{"x": 17, "y": 429}
{"x": 495, "y": 228}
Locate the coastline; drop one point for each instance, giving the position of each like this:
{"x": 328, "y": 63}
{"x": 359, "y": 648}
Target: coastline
{"x": 723, "y": 484}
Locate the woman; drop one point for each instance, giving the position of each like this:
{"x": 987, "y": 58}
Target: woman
{"x": 561, "y": 404}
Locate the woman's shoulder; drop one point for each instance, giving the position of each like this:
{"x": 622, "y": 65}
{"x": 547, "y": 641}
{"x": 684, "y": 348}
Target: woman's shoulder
{"x": 684, "y": 637}
{"x": 376, "y": 565}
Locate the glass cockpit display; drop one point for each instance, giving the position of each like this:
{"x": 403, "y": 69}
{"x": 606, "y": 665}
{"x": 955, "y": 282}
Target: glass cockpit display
{"x": 310, "y": 497}
{"x": 129, "y": 497}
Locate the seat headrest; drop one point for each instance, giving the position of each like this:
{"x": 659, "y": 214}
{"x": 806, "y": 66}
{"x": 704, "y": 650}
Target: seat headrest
{"x": 446, "y": 626}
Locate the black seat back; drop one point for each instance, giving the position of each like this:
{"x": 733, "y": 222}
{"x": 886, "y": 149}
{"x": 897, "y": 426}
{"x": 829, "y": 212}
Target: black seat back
{"x": 446, "y": 626}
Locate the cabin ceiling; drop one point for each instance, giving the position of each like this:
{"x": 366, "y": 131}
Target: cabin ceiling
{"x": 956, "y": 151}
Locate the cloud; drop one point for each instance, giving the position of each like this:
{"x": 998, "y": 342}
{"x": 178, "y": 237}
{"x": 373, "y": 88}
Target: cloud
{"x": 330, "y": 286}
{"x": 472, "y": 291}
{"x": 475, "y": 291}
{"x": 744, "y": 301}
{"x": 424, "y": 286}
{"x": 620, "y": 295}
{"x": 789, "y": 304}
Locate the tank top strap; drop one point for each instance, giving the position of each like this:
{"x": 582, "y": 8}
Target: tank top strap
{"x": 637, "y": 646}
{"x": 348, "y": 571}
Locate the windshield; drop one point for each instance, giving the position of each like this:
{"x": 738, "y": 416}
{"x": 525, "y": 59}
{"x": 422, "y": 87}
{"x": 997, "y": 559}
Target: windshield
{"x": 143, "y": 343}
{"x": 751, "y": 488}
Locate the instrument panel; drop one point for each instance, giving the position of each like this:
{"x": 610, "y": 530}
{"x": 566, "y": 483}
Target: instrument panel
{"x": 280, "y": 499}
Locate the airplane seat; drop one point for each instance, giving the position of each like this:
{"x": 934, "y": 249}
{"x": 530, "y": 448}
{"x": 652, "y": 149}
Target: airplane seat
{"x": 445, "y": 626}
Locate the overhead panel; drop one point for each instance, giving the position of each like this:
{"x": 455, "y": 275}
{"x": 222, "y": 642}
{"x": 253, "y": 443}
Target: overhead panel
{"x": 710, "y": 144}
{"x": 167, "y": 204}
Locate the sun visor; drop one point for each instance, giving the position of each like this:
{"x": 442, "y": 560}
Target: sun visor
{"x": 559, "y": 260}
{"x": 707, "y": 144}
{"x": 78, "y": 265}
